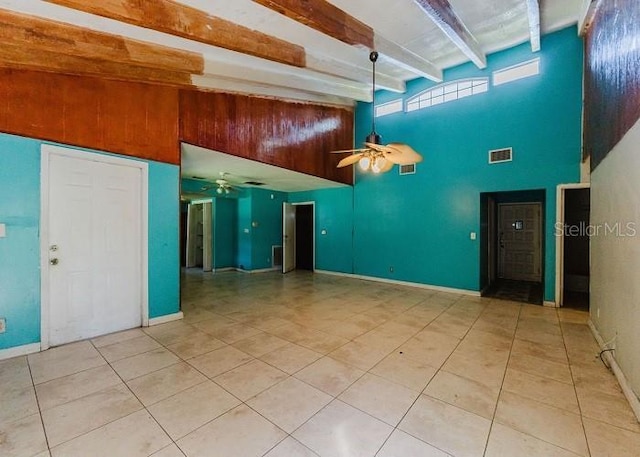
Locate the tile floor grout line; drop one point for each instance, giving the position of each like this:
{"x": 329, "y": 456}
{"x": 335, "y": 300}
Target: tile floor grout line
{"x": 573, "y": 381}
{"x": 429, "y": 382}
{"x": 35, "y": 392}
{"x": 504, "y": 376}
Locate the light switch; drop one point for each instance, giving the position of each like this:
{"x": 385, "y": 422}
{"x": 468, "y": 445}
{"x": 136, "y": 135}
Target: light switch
{"x": 472, "y": 235}
{"x": 3, "y": 230}
{"x": 246, "y": 230}
{"x": 323, "y": 232}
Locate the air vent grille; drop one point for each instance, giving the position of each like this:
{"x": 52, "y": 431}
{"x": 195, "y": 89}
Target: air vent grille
{"x": 501, "y": 155}
{"x": 254, "y": 183}
{"x": 408, "y": 169}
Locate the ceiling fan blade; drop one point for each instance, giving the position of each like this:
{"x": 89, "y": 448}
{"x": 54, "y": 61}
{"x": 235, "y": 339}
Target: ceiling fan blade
{"x": 350, "y": 160}
{"x": 376, "y": 147}
{"x": 348, "y": 150}
{"x": 403, "y": 153}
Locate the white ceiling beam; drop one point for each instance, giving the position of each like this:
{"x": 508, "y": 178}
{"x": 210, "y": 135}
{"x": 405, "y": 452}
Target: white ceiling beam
{"x": 326, "y": 18}
{"x": 299, "y": 79}
{"x": 587, "y": 13}
{"x": 442, "y": 14}
{"x": 406, "y": 59}
{"x": 533, "y": 13}
{"x": 327, "y": 65}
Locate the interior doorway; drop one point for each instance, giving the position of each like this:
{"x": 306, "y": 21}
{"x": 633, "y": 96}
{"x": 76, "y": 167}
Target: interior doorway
{"x": 573, "y": 246}
{"x": 298, "y": 236}
{"x": 199, "y": 235}
{"x": 512, "y": 245}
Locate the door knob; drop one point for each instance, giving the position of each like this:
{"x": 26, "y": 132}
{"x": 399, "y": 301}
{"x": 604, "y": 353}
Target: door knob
{"x": 53, "y": 261}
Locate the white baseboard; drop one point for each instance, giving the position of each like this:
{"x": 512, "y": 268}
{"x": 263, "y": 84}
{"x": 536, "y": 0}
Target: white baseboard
{"x": 549, "y": 304}
{"x": 632, "y": 398}
{"x": 19, "y": 350}
{"x": 262, "y": 270}
{"x": 473, "y": 293}
{"x": 167, "y": 318}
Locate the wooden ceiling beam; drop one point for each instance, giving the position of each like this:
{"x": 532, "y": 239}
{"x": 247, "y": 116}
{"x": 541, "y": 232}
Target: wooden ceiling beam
{"x": 33, "y": 33}
{"x": 184, "y": 21}
{"x": 15, "y": 56}
{"x": 324, "y": 17}
{"x": 533, "y": 13}
{"x": 442, "y": 14}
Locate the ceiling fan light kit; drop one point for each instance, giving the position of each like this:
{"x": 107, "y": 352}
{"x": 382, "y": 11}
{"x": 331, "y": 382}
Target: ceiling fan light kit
{"x": 376, "y": 157}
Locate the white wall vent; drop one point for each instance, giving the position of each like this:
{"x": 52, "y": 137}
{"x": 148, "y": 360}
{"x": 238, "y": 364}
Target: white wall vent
{"x": 408, "y": 169}
{"x": 501, "y": 155}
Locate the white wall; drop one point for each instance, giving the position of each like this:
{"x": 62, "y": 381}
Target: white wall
{"x": 615, "y": 260}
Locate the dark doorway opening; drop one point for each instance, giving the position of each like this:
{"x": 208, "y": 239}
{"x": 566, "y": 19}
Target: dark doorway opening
{"x": 576, "y": 247}
{"x": 512, "y": 245}
{"x": 304, "y": 237}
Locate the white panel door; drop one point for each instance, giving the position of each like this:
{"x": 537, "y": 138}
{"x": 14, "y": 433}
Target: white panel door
{"x": 95, "y": 252}
{"x": 288, "y": 237}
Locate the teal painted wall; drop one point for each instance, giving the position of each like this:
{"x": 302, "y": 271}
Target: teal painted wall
{"x": 224, "y": 221}
{"x": 243, "y": 238}
{"x": 419, "y": 225}
{"x": 20, "y": 210}
{"x": 225, "y": 230}
{"x": 237, "y": 243}
{"x": 164, "y": 241}
{"x": 334, "y": 215}
{"x": 20, "y": 250}
{"x": 267, "y": 214}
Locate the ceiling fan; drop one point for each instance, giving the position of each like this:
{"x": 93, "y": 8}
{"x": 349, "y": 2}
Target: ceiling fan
{"x": 375, "y": 156}
{"x": 223, "y": 186}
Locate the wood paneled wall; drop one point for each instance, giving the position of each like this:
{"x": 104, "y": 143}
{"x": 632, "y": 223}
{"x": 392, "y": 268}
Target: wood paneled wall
{"x": 296, "y": 136}
{"x": 612, "y": 76}
{"x": 134, "y": 119}
{"x": 149, "y": 121}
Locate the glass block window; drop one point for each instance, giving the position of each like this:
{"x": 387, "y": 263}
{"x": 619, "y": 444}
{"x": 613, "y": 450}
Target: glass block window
{"x": 448, "y": 92}
{"x": 389, "y": 108}
{"x": 516, "y": 72}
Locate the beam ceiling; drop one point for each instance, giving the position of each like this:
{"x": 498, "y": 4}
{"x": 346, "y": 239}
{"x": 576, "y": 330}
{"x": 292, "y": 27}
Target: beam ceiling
{"x": 533, "y": 13}
{"x": 332, "y": 21}
{"x": 177, "y": 19}
{"x": 442, "y": 14}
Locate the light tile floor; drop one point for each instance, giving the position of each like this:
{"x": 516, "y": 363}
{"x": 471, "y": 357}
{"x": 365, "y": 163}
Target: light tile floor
{"x": 317, "y": 365}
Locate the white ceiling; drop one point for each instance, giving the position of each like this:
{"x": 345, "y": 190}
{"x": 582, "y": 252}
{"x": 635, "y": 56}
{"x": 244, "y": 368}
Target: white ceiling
{"x": 208, "y": 164}
{"x": 336, "y": 72}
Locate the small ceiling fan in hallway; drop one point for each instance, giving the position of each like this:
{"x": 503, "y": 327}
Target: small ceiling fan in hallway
{"x": 375, "y": 156}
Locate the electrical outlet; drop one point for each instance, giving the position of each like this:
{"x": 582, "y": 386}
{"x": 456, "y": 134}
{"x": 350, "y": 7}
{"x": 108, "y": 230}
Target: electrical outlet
{"x": 3, "y": 324}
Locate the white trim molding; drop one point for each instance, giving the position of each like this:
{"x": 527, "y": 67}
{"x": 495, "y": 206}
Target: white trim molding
{"x": 164, "y": 319}
{"x": 471, "y": 293}
{"x": 633, "y": 400}
{"x": 17, "y": 351}
{"x": 560, "y": 210}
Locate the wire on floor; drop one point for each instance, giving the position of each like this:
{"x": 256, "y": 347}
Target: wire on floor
{"x": 602, "y": 358}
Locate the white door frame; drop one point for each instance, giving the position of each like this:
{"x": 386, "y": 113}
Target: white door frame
{"x": 560, "y": 207}
{"x": 313, "y": 228}
{"x": 46, "y": 151}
